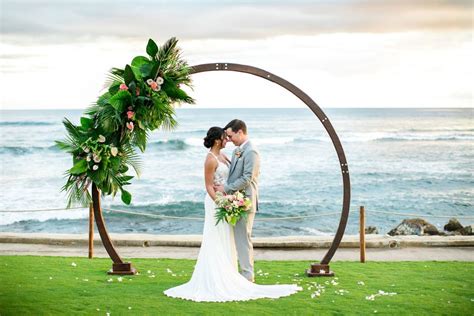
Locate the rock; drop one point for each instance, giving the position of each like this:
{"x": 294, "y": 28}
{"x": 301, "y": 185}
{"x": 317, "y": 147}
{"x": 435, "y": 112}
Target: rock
{"x": 467, "y": 230}
{"x": 453, "y": 225}
{"x": 371, "y": 230}
{"x": 414, "y": 226}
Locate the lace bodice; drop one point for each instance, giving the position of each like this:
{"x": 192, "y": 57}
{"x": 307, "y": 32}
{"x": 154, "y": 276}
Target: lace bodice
{"x": 222, "y": 172}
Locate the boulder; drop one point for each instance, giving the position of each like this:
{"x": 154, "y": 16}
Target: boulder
{"x": 453, "y": 225}
{"x": 467, "y": 230}
{"x": 371, "y": 230}
{"x": 414, "y": 226}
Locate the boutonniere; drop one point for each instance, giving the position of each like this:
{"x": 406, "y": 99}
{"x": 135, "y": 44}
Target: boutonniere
{"x": 238, "y": 153}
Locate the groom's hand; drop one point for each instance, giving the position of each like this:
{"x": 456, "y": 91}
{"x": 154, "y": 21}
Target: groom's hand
{"x": 219, "y": 188}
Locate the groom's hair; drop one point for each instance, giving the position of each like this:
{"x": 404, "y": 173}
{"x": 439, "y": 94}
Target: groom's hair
{"x": 237, "y": 125}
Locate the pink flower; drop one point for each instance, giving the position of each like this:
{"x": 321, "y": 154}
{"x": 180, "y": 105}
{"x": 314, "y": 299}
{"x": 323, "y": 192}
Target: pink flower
{"x": 130, "y": 126}
{"x": 155, "y": 86}
{"x": 130, "y": 114}
{"x": 123, "y": 86}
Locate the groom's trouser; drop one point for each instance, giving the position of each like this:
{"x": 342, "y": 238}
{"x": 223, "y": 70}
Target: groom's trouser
{"x": 243, "y": 242}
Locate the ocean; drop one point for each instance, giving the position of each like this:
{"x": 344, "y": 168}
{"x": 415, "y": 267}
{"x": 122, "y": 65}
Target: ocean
{"x": 409, "y": 161}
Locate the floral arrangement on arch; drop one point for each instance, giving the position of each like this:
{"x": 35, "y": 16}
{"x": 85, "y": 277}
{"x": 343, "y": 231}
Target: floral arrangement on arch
{"x": 137, "y": 99}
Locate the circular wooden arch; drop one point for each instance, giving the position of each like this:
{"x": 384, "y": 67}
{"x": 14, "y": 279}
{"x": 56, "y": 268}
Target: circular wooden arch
{"x": 317, "y": 269}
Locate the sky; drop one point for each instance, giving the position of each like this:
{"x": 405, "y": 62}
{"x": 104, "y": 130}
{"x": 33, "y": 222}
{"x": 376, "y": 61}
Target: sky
{"x": 55, "y": 54}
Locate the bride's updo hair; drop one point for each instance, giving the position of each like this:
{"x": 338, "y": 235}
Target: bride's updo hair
{"x": 213, "y": 134}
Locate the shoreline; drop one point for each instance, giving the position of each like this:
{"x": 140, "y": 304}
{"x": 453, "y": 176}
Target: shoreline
{"x": 321, "y": 242}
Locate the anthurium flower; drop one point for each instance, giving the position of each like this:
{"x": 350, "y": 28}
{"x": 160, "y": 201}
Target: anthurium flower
{"x": 114, "y": 151}
{"x": 101, "y": 139}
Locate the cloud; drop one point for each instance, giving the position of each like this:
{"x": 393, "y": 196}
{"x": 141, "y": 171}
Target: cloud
{"x": 70, "y": 21}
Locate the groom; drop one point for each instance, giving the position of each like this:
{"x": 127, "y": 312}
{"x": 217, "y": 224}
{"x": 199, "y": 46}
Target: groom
{"x": 243, "y": 176}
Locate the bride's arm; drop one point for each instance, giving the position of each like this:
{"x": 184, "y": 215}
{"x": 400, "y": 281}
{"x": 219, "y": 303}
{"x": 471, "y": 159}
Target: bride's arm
{"x": 209, "y": 169}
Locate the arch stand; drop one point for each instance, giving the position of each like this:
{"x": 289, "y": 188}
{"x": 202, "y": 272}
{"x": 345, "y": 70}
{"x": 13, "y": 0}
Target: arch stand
{"x": 316, "y": 269}
{"x": 118, "y": 266}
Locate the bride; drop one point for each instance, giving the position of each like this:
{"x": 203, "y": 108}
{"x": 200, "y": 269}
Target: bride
{"x": 216, "y": 277}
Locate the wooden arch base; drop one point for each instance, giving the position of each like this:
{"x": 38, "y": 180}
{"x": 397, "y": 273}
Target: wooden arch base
{"x": 316, "y": 269}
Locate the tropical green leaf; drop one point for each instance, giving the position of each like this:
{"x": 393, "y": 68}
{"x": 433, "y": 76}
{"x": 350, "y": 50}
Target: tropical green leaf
{"x": 121, "y": 100}
{"x": 126, "y": 197}
{"x": 87, "y": 123}
{"x": 79, "y": 168}
{"x": 128, "y": 75}
{"x": 151, "y": 48}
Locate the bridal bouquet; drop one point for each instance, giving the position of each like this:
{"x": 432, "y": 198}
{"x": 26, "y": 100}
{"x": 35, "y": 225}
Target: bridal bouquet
{"x": 232, "y": 207}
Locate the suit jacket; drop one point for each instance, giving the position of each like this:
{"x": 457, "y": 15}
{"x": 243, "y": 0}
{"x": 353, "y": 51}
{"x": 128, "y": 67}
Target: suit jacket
{"x": 244, "y": 172}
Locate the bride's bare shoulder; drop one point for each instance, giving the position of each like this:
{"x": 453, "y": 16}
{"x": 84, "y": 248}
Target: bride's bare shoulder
{"x": 210, "y": 161}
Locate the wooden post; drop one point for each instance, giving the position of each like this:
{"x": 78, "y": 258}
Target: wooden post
{"x": 362, "y": 234}
{"x": 91, "y": 231}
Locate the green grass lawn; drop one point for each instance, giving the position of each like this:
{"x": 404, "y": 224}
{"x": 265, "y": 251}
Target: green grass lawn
{"x": 32, "y": 285}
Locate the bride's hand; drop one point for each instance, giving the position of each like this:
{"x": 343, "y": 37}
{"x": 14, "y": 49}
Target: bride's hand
{"x": 219, "y": 188}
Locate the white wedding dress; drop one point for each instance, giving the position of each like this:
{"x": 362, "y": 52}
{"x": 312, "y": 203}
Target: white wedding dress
{"x": 216, "y": 277}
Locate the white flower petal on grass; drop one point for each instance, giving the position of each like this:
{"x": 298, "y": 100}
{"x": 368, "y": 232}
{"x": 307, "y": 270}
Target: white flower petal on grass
{"x": 129, "y": 307}
{"x": 74, "y": 264}
{"x": 110, "y": 280}
{"x": 169, "y": 270}
{"x": 97, "y": 309}
{"x": 361, "y": 283}
{"x": 50, "y": 278}
{"x": 149, "y": 271}
{"x": 85, "y": 280}
{"x": 120, "y": 279}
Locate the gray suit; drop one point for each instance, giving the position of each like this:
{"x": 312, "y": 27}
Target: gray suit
{"x": 243, "y": 175}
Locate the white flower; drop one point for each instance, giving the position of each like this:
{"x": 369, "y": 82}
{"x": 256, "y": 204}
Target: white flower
{"x": 322, "y": 271}
{"x": 74, "y": 264}
{"x": 95, "y": 167}
{"x": 159, "y": 80}
{"x": 50, "y": 278}
{"x": 86, "y": 150}
{"x": 157, "y": 88}
{"x": 88, "y": 158}
{"x": 168, "y": 270}
{"x": 149, "y": 271}
{"x": 101, "y": 139}
{"x": 97, "y": 159}
{"x": 149, "y": 81}
{"x": 114, "y": 151}
{"x": 129, "y": 307}
{"x": 361, "y": 283}
{"x": 110, "y": 280}
{"x": 85, "y": 280}
{"x": 119, "y": 279}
